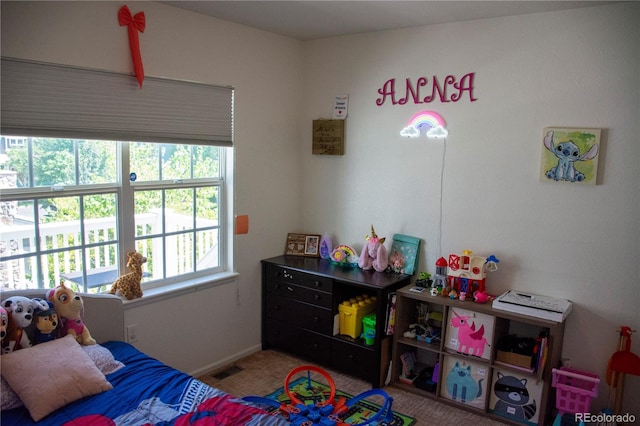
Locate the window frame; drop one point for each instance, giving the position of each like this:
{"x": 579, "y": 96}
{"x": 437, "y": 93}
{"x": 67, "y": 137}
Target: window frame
{"x": 124, "y": 191}
{"x": 50, "y": 100}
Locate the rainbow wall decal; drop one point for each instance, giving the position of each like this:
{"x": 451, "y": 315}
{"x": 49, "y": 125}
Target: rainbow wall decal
{"x": 428, "y": 123}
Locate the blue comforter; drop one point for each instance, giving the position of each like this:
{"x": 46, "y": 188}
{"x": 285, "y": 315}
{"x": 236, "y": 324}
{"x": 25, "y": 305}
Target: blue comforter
{"x": 147, "y": 392}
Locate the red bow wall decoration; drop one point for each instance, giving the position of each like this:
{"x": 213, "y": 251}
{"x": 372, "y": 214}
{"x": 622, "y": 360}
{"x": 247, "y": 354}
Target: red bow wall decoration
{"x": 134, "y": 23}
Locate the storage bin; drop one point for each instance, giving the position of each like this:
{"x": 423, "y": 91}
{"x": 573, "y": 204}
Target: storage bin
{"x": 515, "y": 359}
{"x": 351, "y": 313}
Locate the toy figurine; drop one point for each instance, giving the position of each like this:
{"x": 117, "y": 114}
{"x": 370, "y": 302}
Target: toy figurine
{"x": 440, "y": 277}
{"x": 424, "y": 280}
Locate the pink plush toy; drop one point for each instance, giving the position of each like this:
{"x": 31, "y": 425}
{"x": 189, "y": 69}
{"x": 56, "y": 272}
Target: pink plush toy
{"x": 374, "y": 254}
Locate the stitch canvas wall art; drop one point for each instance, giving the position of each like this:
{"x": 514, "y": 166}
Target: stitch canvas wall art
{"x": 570, "y": 155}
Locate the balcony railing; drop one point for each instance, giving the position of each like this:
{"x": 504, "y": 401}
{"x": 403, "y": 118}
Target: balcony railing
{"x": 63, "y": 260}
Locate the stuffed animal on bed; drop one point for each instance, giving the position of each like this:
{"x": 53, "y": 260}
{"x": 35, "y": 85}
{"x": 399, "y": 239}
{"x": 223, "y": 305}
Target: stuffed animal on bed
{"x": 129, "y": 284}
{"x": 20, "y": 314}
{"x": 69, "y": 306}
{"x": 374, "y": 254}
{"x": 4, "y": 321}
{"x": 46, "y": 322}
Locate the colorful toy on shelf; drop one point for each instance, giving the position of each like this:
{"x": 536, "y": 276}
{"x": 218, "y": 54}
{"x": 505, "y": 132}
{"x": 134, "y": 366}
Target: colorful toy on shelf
{"x": 344, "y": 255}
{"x": 323, "y": 409}
{"x": 440, "y": 277}
{"x": 374, "y": 254}
{"x": 465, "y": 275}
{"x": 352, "y": 312}
{"x": 424, "y": 280}
{"x": 481, "y": 297}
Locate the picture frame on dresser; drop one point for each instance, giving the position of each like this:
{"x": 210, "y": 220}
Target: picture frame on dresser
{"x": 312, "y": 245}
{"x": 302, "y": 245}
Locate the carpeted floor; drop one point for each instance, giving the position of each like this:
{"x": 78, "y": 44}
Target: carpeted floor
{"x": 263, "y": 372}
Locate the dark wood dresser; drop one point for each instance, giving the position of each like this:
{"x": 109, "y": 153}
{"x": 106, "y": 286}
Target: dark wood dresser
{"x": 300, "y": 310}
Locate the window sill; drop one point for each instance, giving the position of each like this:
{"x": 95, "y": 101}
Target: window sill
{"x": 170, "y": 291}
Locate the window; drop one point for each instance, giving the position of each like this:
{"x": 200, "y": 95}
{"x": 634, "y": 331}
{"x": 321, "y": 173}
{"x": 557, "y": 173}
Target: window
{"x": 92, "y": 166}
{"x": 73, "y": 221}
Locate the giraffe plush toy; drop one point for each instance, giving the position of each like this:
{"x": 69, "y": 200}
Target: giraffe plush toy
{"x": 129, "y": 284}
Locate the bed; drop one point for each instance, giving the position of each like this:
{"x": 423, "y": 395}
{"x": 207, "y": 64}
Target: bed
{"x": 123, "y": 386}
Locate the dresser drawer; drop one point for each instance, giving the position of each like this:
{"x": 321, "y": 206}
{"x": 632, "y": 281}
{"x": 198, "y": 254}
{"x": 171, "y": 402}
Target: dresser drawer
{"x": 355, "y": 360}
{"x": 298, "y": 292}
{"x": 299, "y": 314}
{"x": 298, "y": 341}
{"x": 287, "y": 275}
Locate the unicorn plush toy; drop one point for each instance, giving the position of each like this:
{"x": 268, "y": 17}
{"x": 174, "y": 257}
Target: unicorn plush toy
{"x": 374, "y": 255}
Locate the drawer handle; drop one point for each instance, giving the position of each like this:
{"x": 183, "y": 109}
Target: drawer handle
{"x": 316, "y": 297}
{"x": 316, "y": 319}
{"x": 277, "y": 307}
{"x": 318, "y": 284}
{"x": 351, "y": 357}
{"x": 289, "y": 288}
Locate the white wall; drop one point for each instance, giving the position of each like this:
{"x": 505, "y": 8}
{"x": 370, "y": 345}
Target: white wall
{"x": 576, "y": 68}
{"x": 265, "y": 70}
{"x": 571, "y": 68}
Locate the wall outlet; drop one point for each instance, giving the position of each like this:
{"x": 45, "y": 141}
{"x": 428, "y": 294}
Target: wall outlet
{"x": 132, "y": 333}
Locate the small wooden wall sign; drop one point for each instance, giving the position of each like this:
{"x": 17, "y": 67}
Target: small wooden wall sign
{"x": 328, "y": 137}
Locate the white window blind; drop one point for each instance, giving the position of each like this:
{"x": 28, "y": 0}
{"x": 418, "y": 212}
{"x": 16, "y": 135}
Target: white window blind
{"x": 51, "y": 100}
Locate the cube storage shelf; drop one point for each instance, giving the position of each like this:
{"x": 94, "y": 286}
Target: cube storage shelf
{"x": 465, "y": 358}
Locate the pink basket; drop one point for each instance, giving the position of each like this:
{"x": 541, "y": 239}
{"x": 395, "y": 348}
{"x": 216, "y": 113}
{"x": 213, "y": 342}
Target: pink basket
{"x": 574, "y": 389}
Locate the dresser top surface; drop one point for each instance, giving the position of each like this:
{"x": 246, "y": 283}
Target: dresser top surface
{"x": 323, "y": 267}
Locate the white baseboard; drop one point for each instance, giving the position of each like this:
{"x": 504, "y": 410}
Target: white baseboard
{"x": 225, "y": 361}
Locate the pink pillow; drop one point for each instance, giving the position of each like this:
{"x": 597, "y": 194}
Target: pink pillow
{"x": 51, "y": 375}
